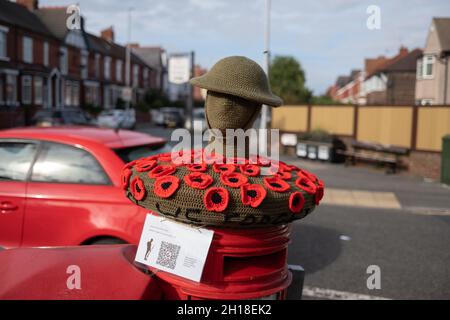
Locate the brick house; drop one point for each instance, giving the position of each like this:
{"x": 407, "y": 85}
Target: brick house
{"x": 96, "y": 73}
{"x": 156, "y": 58}
{"x": 45, "y": 65}
{"x": 392, "y": 81}
{"x": 28, "y": 53}
{"x": 433, "y": 72}
{"x": 347, "y": 88}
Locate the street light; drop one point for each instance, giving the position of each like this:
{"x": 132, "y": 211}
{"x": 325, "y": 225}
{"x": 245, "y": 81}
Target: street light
{"x": 128, "y": 57}
{"x": 265, "y": 108}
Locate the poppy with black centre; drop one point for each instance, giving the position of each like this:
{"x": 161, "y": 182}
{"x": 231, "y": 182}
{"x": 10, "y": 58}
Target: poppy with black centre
{"x": 166, "y": 186}
{"x": 216, "y": 199}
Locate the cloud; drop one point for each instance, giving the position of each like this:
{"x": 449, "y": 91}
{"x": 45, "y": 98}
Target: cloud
{"x": 328, "y": 37}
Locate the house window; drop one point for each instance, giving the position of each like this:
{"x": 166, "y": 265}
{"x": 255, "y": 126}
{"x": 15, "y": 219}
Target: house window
{"x": 106, "y": 97}
{"x": 146, "y": 73}
{"x": 135, "y": 75}
{"x": 38, "y": 88}
{"x": 27, "y": 50}
{"x": 425, "y": 67}
{"x": 26, "y": 89}
{"x": 72, "y": 93}
{"x": 107, "y": 68}
{"x": 3, "y": 47}
{"x": 97, "y": 65}
{"x": 11, "y": 89}
{"x": 46, "y": 53}
{"x": 1, "y": 89}
{"x": 84, "y": 64}
{"x": 119, "y": 70}
{"x": 92, "y": 95}
{"x": 63, "y": 60}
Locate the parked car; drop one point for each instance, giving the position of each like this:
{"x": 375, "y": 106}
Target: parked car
{"x": 51, "y": 117}
{"x": 60, "y": 186}
{"x": 198, "y": 115}
{"x": 168, "y": 117}
{"x": 117, "y": 118}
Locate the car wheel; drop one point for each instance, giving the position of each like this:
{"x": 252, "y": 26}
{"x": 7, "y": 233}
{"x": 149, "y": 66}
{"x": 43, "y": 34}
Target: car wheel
{"x": 103, "y": 241}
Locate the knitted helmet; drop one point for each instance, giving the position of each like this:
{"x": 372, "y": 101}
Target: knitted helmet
{"x": 241, "y": 77}
{"x": 210, "y": 193}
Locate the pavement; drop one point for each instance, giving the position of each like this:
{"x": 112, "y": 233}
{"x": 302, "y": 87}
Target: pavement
{"x": 398, "y": 223}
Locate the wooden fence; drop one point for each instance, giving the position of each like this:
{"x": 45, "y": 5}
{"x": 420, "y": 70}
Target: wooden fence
{"x": 418, "y": 128}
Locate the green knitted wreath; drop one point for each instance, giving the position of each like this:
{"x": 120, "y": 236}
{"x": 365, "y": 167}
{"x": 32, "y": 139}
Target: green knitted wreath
{"x": 240, "y": 193}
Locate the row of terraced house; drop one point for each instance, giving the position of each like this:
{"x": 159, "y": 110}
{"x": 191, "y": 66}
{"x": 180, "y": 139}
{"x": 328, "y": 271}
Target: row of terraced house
{"x": 416, "y": 77}
{"x": 43, "y": 64}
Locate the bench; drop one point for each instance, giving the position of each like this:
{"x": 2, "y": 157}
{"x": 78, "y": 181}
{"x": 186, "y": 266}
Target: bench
{"x": 374, "y": 153}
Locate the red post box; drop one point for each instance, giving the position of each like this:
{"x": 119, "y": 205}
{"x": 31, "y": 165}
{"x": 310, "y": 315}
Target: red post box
{"x": 241, "y": 264}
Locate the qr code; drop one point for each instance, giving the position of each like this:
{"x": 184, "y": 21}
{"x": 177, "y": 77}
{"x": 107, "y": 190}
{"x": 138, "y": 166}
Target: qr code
{"x": 168, "y": 254}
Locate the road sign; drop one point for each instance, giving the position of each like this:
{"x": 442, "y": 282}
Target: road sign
{"x": 179, "y": 69}
{"x": 127, "y": 93}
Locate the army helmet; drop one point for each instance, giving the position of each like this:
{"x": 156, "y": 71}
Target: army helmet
{"x": 241, "y": 77}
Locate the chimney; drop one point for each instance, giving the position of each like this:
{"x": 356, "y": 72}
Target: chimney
{"x": 108, "y": 34}
{"x": 29, "y": 4}
{"x": 403, "y": 51}
{"x": 134, "y": 45}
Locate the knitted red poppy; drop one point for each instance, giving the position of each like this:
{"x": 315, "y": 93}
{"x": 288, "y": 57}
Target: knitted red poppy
{"x": 198, "y": 180}
{"x": 216, "y": 199}
{"x": 296, "y": 202}
{"x": 145, "y": 165}
{"x": 307, "y": 174}
{"x": 250, "y": 170}
{"x": 252, "y": 195}
{"x": 283, "y": 175}
{"x": 166, "y": 186}
{"x": 162, "y": 170}
{"x": 306, "y": 185}
{"x": 319, "y": 193}
{"x": 200, "y": 167}
{"x": 166, "y": 157}
{"x": 137, "y": 189}
{"x": 285, "y": 167}
{"x": 233, "y": 179}
{"x": 224, "y": 168}
{"x": 129, "y": 164}
{"x": 125, "y": 178}
{"x": 276, "y": 184}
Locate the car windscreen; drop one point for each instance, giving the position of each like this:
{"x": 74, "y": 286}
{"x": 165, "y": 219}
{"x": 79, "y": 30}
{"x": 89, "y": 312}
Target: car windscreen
{"x": 136, "y": 152}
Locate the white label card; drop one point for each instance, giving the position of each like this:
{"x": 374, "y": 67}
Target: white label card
{"x": 174, "y": 247}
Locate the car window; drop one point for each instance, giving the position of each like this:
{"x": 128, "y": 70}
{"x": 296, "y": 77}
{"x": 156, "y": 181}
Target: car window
{"x": 136, "y": 152}
{"x": 65, "y": 164}
{"x": 16, "y": 158}
{"x": 73, "y": 117}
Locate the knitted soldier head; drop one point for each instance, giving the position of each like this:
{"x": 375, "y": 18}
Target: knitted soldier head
{"x": 218, "y": 189}
{"x": 237, "y": 87}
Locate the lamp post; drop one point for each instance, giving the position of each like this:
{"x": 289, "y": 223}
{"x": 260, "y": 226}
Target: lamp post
{"x": 265, "y": 108}
{"x": 128, "y": 58}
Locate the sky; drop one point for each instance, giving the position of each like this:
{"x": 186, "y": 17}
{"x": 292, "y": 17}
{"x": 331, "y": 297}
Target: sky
{"x": 328, "y": 37}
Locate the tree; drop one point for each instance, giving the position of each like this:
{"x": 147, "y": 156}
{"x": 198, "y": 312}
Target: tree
{"x": 287, "y": 80}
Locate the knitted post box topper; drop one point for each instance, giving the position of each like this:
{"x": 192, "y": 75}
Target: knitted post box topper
{"x": 220, "y": 190}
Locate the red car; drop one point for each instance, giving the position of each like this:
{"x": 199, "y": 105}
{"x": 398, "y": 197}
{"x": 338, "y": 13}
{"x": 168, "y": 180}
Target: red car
{"x": 60, "y": 186}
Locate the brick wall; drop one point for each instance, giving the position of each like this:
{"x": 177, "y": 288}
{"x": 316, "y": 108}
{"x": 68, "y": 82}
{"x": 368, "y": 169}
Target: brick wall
{"x": 425, "y": 164}
{"x": 401, "y": 88}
